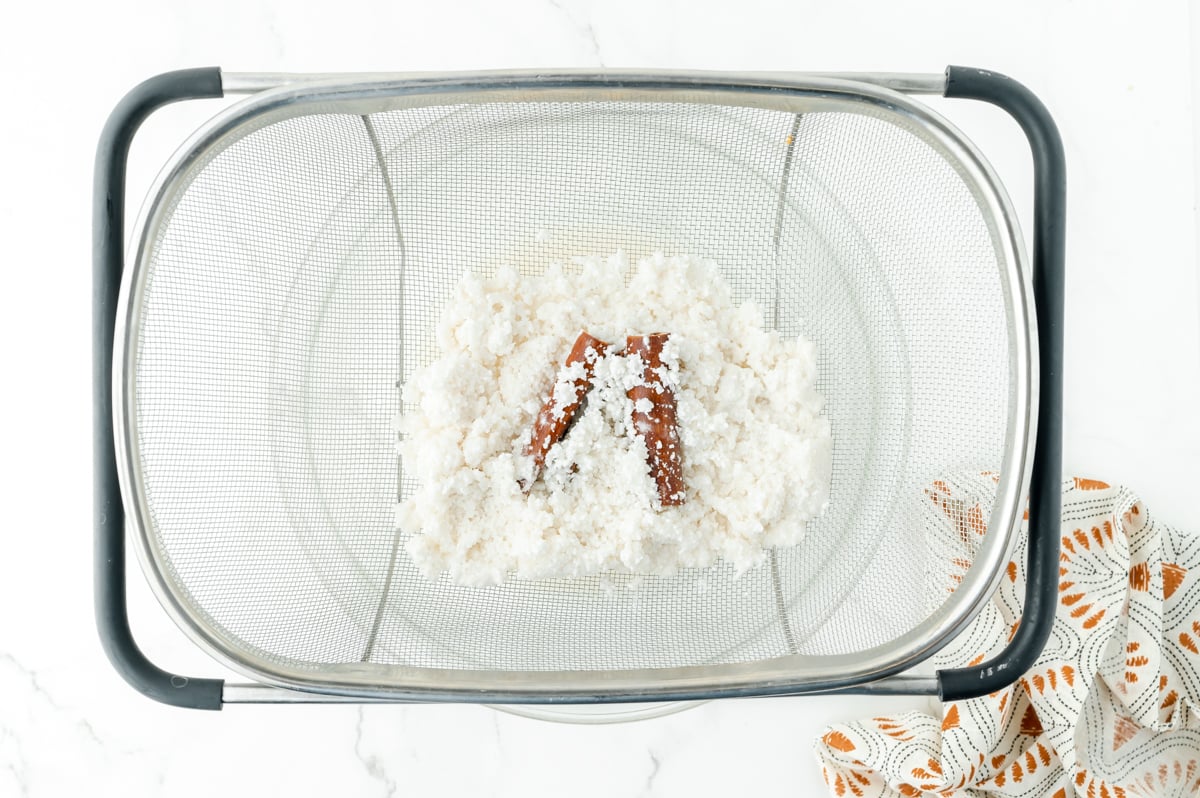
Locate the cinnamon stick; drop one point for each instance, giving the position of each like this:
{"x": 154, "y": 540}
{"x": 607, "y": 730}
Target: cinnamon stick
{"x": 556, "y": 414}
{"x": 654, "y": 419}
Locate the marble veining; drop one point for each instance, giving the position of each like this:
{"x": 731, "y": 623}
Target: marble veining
{"x": 655, "y": 765}
{"x": 21, "y": 719}
{"x": 375, "y": 767}
{"x": 582, "y": 24}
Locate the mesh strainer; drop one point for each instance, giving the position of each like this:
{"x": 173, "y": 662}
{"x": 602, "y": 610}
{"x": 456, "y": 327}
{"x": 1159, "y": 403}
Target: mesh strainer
{"x": 286, "y": 278}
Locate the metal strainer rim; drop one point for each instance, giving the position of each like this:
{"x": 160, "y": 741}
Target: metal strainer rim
{"x": 788, "y": 674}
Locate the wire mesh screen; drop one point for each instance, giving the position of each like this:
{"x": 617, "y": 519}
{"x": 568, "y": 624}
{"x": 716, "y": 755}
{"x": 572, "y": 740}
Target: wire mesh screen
{"x": 296, "y": 283}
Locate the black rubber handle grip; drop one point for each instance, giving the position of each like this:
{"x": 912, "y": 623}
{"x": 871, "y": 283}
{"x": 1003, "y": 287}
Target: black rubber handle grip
{"x": 108, "y": 262}
{"x": 1045, "y": 489}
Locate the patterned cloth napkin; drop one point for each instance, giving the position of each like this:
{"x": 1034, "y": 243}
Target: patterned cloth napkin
{"x": 1112, "y": 707}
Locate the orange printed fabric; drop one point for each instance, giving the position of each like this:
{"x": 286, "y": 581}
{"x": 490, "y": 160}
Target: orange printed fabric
{"x": 1112, "y": 707}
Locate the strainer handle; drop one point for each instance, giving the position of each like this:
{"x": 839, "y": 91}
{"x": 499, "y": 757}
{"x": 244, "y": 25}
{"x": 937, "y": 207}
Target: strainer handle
{"x": 1045, "y": 489}
{"x": 108, "y": 261}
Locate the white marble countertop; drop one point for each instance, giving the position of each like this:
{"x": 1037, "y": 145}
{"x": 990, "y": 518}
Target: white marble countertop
{"x": 1117, "y": 75}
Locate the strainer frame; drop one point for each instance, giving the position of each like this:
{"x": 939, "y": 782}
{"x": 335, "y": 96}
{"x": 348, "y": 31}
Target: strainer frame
{"x": 862, "y": 673}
